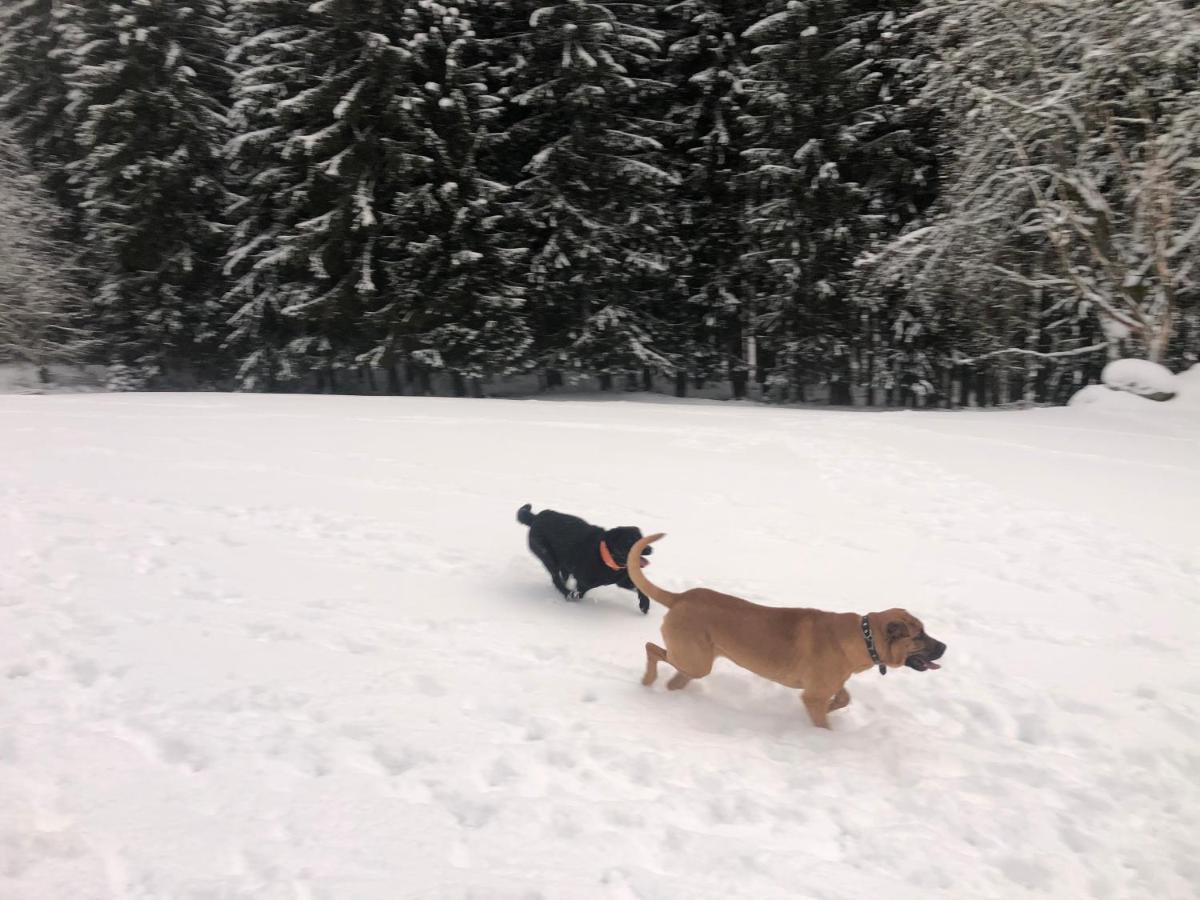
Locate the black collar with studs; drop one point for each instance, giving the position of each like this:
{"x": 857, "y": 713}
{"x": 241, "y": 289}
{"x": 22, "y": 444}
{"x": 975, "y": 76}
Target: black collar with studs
{"x": 870, "y": 639}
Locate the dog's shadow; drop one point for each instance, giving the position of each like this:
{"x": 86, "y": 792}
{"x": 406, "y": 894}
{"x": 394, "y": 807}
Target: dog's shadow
{"x": 523, "y": 589}
{"x": 729, "y": 703}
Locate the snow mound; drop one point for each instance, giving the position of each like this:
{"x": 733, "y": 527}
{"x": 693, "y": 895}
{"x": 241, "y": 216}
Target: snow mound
{"x": 1140, "y": 377}
{"x": 1183, "y": 398}
{"x": 1097, "y": 396}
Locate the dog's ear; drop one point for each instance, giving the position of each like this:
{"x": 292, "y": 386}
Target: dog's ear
{"x": 896, "y": 630}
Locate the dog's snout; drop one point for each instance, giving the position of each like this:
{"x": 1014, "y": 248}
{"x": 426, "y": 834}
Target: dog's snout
{"x": 938, "y": 649}
{"x": 647, "y": 551}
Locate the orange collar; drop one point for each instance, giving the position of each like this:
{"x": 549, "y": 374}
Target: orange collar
{"x": 608, "y": 558}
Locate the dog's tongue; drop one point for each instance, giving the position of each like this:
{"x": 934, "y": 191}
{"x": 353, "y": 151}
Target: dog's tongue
{"x": 932, "y": 665}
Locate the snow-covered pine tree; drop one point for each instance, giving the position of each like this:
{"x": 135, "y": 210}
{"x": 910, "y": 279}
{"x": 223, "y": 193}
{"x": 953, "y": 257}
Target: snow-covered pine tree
{"x": 331, "y": 103}
{"x": 272, "y": 183}
{"x": 456, "y": 304}
{"x": 343, "y": 150}
{"x": 40, "y": 300}
{"x": 708, "y": 67}
{"x": 148, "y": 86}
{"x": 821, "y": 123}
{"x": 900, "y": 346}
{"x": 581, "y": 120}
{"x": 33, "y": 89}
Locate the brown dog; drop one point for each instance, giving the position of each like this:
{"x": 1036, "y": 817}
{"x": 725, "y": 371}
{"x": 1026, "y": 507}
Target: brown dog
{"x": 800, "y": 648}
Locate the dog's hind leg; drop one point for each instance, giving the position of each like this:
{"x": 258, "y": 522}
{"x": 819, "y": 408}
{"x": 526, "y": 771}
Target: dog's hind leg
{"x": 542, "y": 552}
{"x": 678, "y": 681}
{"x": 691, "y": 656}
{"x": 840, "y": 699}
{"x": 654, "y": 655}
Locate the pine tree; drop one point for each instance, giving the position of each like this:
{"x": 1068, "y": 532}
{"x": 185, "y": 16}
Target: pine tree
{"x": 824, "y": 135}
{"x": 148, "y": 83}
{"x": 272, "y": 183}
{"x": 902, "y": 346}
{"x": 341, "y": 148}
{"x": 596, "y": 186}
{"x": 708, "y": 69}
{"x": 330, "y": 101}
{"x": 457, "y": 304}
{"x": 33, "y": 88}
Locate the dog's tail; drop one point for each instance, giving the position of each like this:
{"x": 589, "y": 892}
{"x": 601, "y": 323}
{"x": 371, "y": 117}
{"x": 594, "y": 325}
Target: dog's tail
{"x": 525, "y": 514}
{"x": 634, "y": 563}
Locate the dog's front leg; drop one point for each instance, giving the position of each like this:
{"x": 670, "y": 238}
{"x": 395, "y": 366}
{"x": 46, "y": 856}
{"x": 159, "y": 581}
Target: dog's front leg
{"x": 817, "y": 702}
{"x": 581, "y": 588}
{"x": 643, "y": 603}
{"x": 840, "y": 699}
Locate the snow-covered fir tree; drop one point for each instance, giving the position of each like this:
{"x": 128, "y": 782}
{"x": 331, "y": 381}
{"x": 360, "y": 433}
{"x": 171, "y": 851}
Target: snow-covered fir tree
{"x": 33, "y": 88}
{"x": 40, "y": 300}
{"x": 365, "y": 230}
{"x": 457, "y": 304}
{"x": 271, "y": 182}
{"x": 596, "y": 190}
{"x": 900, "y": 347}
{"x": 824, "y": 134}
{"x": 708, "y": 68}
{"x": 328, "y": 96}
{"x": 148, "y": 86}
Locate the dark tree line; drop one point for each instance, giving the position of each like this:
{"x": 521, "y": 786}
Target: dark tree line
{"x": 357, "y": 195}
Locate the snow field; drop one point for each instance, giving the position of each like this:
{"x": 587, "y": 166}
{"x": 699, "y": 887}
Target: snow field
{"x": 288, "y": 647}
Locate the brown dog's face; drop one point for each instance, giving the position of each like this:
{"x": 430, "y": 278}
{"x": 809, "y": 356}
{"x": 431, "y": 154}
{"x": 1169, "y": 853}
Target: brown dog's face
{"x": 905, "y": 642}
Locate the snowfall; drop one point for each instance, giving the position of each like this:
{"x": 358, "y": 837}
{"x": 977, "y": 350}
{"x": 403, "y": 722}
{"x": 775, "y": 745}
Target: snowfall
{"x": 295, "y": 647}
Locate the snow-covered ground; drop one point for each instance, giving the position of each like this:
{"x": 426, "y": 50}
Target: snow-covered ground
{"x": 294, "y": 647}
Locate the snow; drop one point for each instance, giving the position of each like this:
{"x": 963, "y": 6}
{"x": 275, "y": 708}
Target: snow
{"x": 286, "y": 646}
{"x": 1141, "y": 377}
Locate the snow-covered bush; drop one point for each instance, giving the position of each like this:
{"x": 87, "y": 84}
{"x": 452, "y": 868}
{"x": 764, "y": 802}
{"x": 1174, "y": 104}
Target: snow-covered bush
{"x": 37, "y": 294}
{"x": 1141, "y": 377}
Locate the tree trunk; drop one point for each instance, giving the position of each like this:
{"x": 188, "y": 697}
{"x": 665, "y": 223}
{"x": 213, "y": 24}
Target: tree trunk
{"x": 606, "y": 382}
{"x": 460, "y": 385}
{"x": 681, "y": 384}
{"x": 738, "y": 378}
{"x": 869, "y": 399}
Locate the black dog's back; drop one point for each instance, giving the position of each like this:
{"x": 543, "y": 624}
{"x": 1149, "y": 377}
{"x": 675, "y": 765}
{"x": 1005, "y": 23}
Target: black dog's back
{"x": 556, "y": 527}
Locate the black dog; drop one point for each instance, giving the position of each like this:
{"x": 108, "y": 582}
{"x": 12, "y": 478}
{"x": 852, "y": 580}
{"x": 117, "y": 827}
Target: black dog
{"x": 568, "y": 546}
